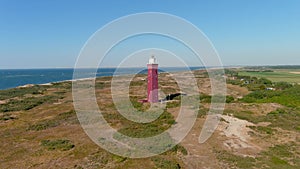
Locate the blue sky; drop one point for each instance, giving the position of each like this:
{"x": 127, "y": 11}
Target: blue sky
{"x": 48, "y": 34}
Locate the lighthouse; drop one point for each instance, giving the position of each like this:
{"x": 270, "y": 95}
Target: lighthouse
{"x": 152, "y": 80}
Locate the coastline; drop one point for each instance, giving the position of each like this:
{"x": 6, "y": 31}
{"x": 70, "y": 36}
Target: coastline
{"x": 51, "y": 83}
{"x": 173, "y": 69}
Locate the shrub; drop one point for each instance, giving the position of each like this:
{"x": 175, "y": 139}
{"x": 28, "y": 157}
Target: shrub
{"x": 19, "y": 92}
{"x": 164, "y": 163}
{"x": 263, "y": 129}
{"x": 62, "y": 85}
{"x": 264, "y": 81}
{"x": 28, "y": 103}
{"x": 142, "y": 130}
{"x": 43, "y": 125}
{"x": 179, "y": 148}
{"x": 235, "y": 161}
{"x": 202, "y": 112}
{"x": 62, "y": 145}
{"x": 205, "y": 98}
{"x": 68, "y": 116}
{"x": 6, "y": 116}
{"x": 118, "y": 159}
{"x": 282, "y": 85}
{"x": 229, "y": 99}
{"x": 173, "y": 103}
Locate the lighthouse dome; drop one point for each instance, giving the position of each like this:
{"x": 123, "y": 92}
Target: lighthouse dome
{"x": 152, "y": 60}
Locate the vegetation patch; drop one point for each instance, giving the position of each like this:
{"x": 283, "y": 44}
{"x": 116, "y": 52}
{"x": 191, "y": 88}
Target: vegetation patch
{"x": 62, "y": 85}
{"x": 100, "y": 85}
{"x": 263, "y": 129}
{"x": 202, "y": 112}
{"x": 139, "y": 105}
{"x": 277, "y": 157}
{"x": 28, "y": 103}
{"x": 138, "y": 83}
{"x": 289, "y": 97}
{"x": 20, "y": 92}
{"x": 142, "y": 130}
{"x": 62, "y": 145}
{"x": 179, "y": 148}
{"x": 204, "y": 98}
{"x": 6, "y": 116}
{"x": 118, "y": 159}
{"x": 161, "y": 162}
{"x": 275, "y": 76}
{"x": 43, "y": 125}
{"x": 244, "y": 115}
{"x": 288, "y": 119}
{"x": 173, "y": 104}
{"x": 68, "y": 116}
{"x": 235, "y": 161}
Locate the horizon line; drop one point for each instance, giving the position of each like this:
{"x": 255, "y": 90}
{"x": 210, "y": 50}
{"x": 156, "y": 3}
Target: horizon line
{"x": 112, "y": 67}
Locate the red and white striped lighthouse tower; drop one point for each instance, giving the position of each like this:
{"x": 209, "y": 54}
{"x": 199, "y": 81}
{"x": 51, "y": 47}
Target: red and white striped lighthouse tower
{"x": 152, "y": 80}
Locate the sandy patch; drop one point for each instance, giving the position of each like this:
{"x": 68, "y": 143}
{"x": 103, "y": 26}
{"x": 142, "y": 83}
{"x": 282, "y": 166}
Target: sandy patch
{"x": 238, "y": 139}
{"x": 2, "y": 101}
{"x": 25, "y": 86}
{"x": 235, "y": 127}
{"x": 295, "y": 72}
{"x": 46, "y": 84}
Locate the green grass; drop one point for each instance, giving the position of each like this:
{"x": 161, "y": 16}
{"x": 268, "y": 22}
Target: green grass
{"x": 276, "y": 76}
{"x": 65, "y": 117}
{"x": 276, "y": 157}
{"x": 263, "y": 129}
{"x": 43, "y": 125}
{"x": 204, "y": 98}
{"x": 28, "y": 103}
{"x": 289, "y": 97}
{"x": 142, "y": 130}
{"x": 59, "y": 144}
{"x": 202, "y": 112}
{"x": 244, "y": 115}
{"x": 179, "y": 148}
{"x": 138, "y": 105}
{"x": 118, "y": 159}
{"x": 173, "y": 104}
{"x": 20, "y": 92}
{"x": 286, "y": 118}
{"x": 234, "y": 160}
{"x": 280, "y": 156}
{"x": 18, "y": 99}
{"x": 164, "y": 163}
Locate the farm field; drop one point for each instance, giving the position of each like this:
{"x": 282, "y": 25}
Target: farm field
{"x": 285, "y": 75}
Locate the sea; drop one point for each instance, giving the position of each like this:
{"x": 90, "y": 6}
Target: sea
{"x": 11, "y": 78}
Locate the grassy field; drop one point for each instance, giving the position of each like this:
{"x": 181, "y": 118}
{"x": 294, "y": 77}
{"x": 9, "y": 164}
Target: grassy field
{"x": 286, "y": 75}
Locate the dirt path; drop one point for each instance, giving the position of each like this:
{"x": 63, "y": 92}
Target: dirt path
{"x": 200, "y": 156}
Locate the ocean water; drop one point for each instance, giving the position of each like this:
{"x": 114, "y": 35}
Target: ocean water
{"x": 11, "y": 78}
